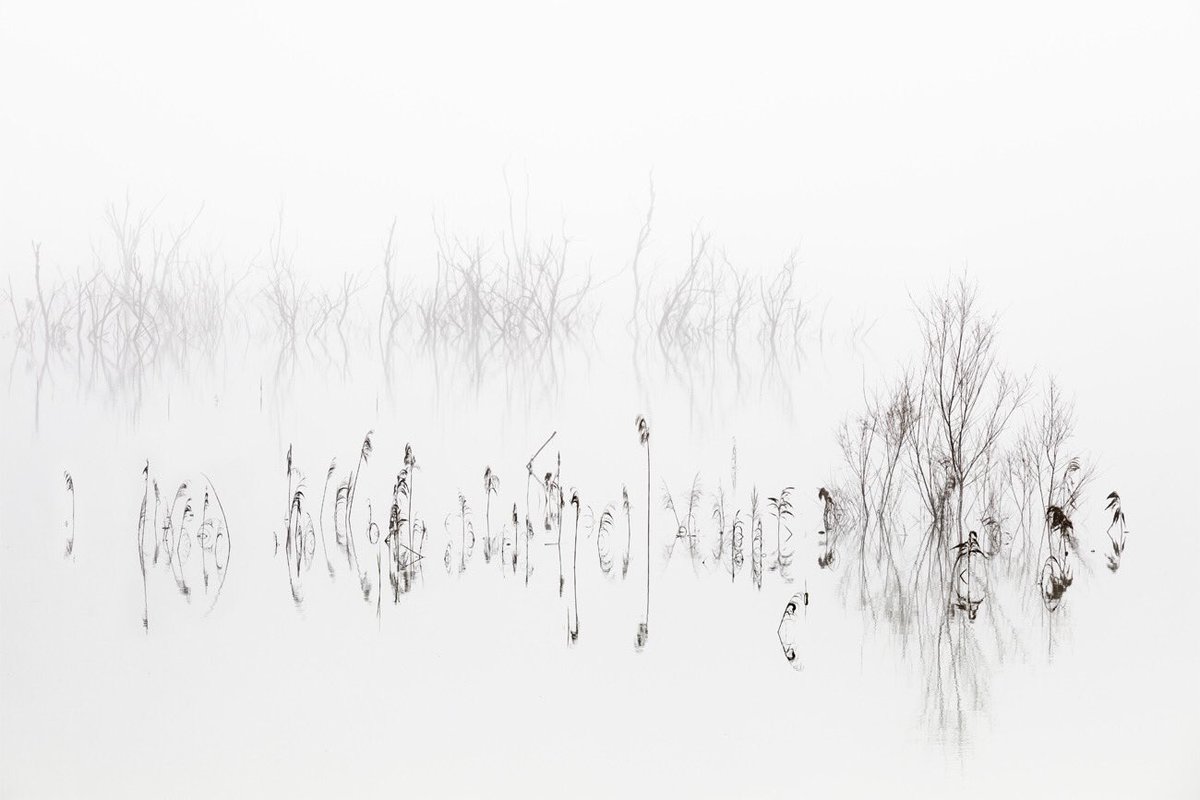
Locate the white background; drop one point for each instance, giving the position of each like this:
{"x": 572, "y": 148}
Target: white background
{"x": 1048, "y": 148}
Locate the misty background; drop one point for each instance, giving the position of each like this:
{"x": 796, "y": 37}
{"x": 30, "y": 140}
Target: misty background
{"x": 1047, "y": 150}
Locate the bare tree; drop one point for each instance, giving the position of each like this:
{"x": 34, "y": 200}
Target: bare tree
{"x": 970, "y": 396}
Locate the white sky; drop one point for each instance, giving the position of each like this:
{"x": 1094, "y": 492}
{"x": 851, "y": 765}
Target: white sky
{"x": 859, "y": 132}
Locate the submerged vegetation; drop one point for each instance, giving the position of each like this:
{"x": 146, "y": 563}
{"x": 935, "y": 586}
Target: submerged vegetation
{"x": 958, "y": 505}
{"x": 70, "y": 523}
{"x": 1116, "y": 541}
{"x": 173, "y": 538}
{"x": 953, "y": 523}
{"x": 643, "y": 431}
{"x": 788, "y": 630}
{"x": 505, "y": 307}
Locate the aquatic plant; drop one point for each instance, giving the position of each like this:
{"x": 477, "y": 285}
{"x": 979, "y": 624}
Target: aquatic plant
{"x": 211, "y": 536}
{"x": 643, "y": 431}
{"x": 756, "y": 541}
{"x": 603, "y": 546}
{"x": 175, "y": 538}
{"x": 779, "y": 308}
{"x": 141, "y": 544}
{"x": 718, "y": 515}
{"x": 407, "y": 475}
{"x": 993, "y": 503}
{"x": 573, "y": 630}
{"x": 558, "y": 502}
{"x": 393, "y": 538}
{"x": 491, "y": 485}
{"x": 970, "y": 585}
{"x": 1056, "y": 572}
{"x": 685, "y": 526}
{"x": 786, "y": 632}
{"x": 220, "y": 541}
{"x": 321, "y": 516}
{"x": 1055, "y": 579}
{"x": 828, "y": 531}
{"x": 781, "y": 509}
{"x": 516, "y": 532}
{"x": 514, "y": 302}
{"x": 1118, "y": 541}
{"x": 70, "y": 524}
{"x": 341, "y": 500}
{"x": 735, "y": 546}
{"x": 628, "y": 531}
{"x": 364, "y": 454}
{"x": 528, "y": 522}
{"x": 203, "y": 539}
{"x": 183, "y": 547}
{"x": 467, "y": 534}
{"x": 293, "y": 546}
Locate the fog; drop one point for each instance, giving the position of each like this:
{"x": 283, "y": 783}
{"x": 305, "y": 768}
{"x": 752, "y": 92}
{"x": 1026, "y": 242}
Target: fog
{"x": 1044, "y": 153}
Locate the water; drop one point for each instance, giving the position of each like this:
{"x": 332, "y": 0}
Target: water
{"x": 467, "y": 685}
